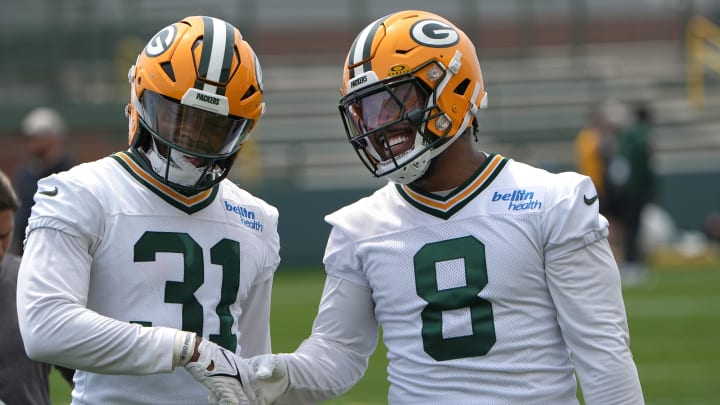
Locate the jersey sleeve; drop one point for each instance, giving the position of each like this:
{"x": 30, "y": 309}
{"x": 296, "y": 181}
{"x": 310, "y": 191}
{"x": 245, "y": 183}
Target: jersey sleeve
{"x": 345, "y": 331}
{"x": 341, "y": 259}
{"x": 65, "y": 228}
{"x": 57, "y": 327}
{"x": 335, "y": 356}
{"x": 573, "y": 220}
{"x": 62, "y": 204}
{"x": 584, "y": 282}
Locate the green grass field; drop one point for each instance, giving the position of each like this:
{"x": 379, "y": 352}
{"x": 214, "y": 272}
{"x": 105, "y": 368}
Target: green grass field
{"x": 674, "y": 326}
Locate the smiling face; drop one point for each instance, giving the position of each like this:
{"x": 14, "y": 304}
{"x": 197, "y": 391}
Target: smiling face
{"x": 384, "y": 121}
{"x": 393, "y": 109}
{"x": 393, "y": 141}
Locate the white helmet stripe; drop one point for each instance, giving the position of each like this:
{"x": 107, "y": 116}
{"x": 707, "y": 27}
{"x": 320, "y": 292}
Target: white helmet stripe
{"x": 362, "y": 46}
{"x": 217, "y": 54}
{"x": 218, "y": 50}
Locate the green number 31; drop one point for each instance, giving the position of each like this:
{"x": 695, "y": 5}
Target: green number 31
{"x": 225, "y": 253}
{"x": 481, "y": 315}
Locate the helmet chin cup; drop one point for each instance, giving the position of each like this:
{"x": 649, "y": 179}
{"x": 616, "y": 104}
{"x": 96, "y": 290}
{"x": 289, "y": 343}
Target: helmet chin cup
{"x": 412, "y": 170}
{"x": 175, "y": 168}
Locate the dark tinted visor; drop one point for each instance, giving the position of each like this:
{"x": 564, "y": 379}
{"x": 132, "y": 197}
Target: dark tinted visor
{"x": 191, "y": 129}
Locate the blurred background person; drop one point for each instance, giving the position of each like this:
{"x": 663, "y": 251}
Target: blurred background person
{"x": 22, "y": 381}
{"x": 631, "y": 180}
{"x": 44, "y": 131}
{"x": 594, "y": 145}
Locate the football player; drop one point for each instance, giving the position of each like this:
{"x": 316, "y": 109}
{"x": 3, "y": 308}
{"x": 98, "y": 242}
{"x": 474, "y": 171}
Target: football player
{"x": 492, "y": 280}
{"x": 148, "y": 271}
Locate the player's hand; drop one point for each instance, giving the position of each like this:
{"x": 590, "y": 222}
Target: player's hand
{"x": 229, "y": 377}
{"x": 272, "y": 377}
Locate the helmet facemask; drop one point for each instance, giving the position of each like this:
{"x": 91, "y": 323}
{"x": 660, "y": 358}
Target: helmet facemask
{"x": 387, "y": 123}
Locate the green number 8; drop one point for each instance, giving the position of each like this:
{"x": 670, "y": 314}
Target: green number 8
{"x": 482, "y": 338}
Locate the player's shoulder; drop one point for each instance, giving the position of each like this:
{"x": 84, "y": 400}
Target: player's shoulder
{"x": 554, "y": 184}
{"x": 376, "y": 202}
{"x": 232, "y": 195}
{"x": 74, "y": 200}
{"x": 83, "y": 180}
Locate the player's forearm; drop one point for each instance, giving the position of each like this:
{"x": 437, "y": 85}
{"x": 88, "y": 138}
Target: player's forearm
{"x": 336, "y": 355}
{"x": 72, "y": 336}
{"x": 56, "y": 326}
{"x": 613, "y": 383}
{"x": 320, "y": 370}
{"x": 586, "y": 289}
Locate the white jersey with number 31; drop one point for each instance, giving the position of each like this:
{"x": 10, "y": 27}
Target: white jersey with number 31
{"x": 150, "y": 257}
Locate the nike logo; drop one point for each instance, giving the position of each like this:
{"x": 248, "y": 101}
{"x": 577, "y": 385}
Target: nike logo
{"x": 591, "y": 200}
{"x": 51, "y": 193}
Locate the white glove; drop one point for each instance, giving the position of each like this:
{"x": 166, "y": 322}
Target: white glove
{"x": 229, "y": 377}
{"x": 272, "y": 377}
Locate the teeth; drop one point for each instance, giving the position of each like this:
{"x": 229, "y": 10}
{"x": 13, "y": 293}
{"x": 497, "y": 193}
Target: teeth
{"x": 397, "y": 140}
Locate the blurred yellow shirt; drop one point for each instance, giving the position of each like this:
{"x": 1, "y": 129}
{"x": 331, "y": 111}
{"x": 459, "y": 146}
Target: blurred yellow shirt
{"x": 589, "y": 160}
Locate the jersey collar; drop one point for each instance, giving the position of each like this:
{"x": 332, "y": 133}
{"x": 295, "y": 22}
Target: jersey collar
{"x": 189, "y": 204}
{"x": 445, "y": 206}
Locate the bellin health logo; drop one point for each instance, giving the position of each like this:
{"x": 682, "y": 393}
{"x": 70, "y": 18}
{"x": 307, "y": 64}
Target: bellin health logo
{"x": 518, "y": 200}
{"x": 247, "y": 217}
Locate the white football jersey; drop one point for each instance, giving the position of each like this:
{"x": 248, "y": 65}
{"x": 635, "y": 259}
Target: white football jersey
{"x": 482, "y": 294}
{"x": 154, "y": 258}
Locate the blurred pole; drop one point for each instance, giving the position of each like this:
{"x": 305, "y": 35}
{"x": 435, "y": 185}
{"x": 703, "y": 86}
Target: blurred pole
{"x": 578, "y": 30}
{"x": 470, "y": 10}
{"x": 247, "y": 19}
{"x": 526, "y": 26}
{"x": 695, "y": 83}
{"x": 703, "y": 51}
{"x": 55, "y": 38}
{"x": 358, "y": 16}
{"x": 685, "y": 10}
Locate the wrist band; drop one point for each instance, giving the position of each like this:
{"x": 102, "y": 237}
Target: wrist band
{"x": 184, "y": 348}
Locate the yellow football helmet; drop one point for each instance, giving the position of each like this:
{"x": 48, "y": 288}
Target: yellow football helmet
{"x": 195, "y": 94}
{"x": 411, "y": 86}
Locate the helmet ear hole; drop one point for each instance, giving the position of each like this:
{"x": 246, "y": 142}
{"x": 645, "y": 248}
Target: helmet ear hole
{"x": 168, "y": 69}
{"x": 250, "y": 91}
{"x": 462, "y": 87}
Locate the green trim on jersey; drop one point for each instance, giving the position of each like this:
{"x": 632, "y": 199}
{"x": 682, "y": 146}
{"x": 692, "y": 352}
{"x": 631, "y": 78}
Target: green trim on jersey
{"x": 446, "y": 206}
{"x": 188, "y": 204}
